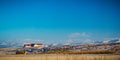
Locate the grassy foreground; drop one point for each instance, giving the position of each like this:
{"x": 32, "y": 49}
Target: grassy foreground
{"x": 60, "y": 57}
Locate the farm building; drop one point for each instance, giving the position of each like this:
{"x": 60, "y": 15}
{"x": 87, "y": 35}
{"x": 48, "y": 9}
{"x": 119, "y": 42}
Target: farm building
{"x": 35, "y": 45}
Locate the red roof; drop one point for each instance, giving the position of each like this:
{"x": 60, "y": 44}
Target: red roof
{"x": 27, "y": 44}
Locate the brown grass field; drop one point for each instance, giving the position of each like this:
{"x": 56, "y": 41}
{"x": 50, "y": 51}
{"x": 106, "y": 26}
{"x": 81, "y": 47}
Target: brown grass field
{"x": 60, "y": 57}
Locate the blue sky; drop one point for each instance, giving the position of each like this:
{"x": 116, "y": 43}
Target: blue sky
{"x": 56, "y": 20}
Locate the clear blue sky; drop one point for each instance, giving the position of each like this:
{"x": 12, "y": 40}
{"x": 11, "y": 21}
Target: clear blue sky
{"x": 57, "y": 19}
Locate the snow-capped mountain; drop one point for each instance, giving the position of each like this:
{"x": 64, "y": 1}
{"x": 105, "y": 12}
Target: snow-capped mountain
{"x": 56, "y": 44}
{"x": 5, "y": 44}
{"x": 112, "y": 41}
{"x": 85, "y": 42}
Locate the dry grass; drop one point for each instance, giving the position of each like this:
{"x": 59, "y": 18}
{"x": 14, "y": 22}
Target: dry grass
{"x": 60, "y": 57}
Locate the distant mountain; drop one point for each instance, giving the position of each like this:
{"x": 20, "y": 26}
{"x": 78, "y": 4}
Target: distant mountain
{"x": 95, "y": 42}
{"x": 112, "y": 41}
{"x": 98, "y": 42}
{"x": 87, "y": 42}
{"x": 56, "y": 44}
{"x": 4, "y": 46}
{"x": 7, "y": 44}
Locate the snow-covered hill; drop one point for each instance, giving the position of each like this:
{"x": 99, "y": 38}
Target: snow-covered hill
{"x": 5, "y": 44}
